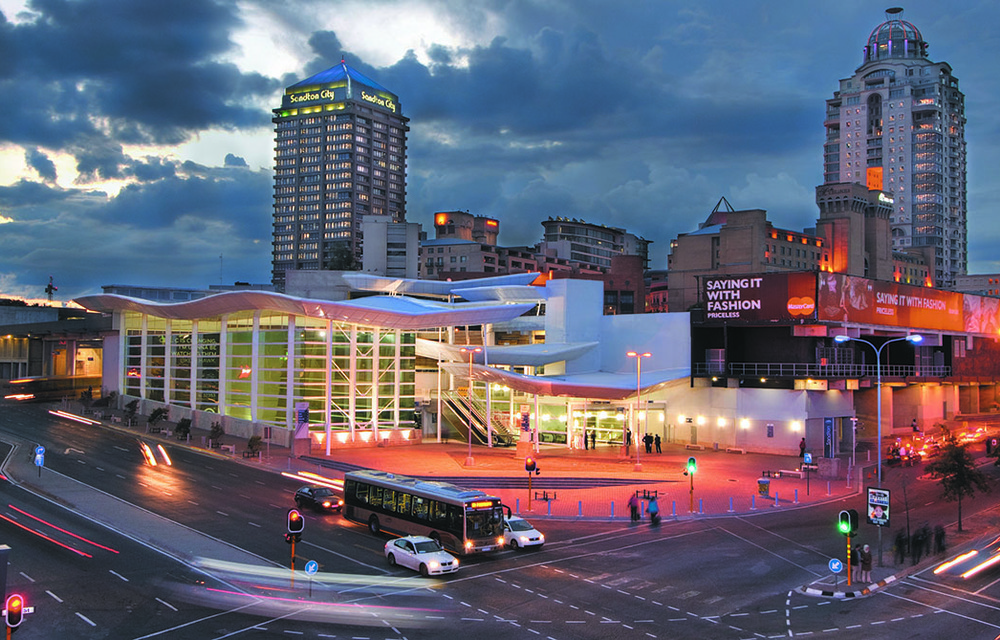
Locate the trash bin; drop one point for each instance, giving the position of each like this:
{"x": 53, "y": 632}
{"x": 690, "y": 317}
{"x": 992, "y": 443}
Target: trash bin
{"x": 764, "y": 487}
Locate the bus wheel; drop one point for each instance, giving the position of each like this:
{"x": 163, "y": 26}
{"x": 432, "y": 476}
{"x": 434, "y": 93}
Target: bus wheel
{"x": 373, "y": 525}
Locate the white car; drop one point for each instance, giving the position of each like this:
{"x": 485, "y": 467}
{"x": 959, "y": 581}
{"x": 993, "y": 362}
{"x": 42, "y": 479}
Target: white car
{"x": 422, "y": 554}
{"x": 519, "y": 534}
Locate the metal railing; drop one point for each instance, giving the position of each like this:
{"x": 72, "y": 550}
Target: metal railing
{"x": 813, "y": 370}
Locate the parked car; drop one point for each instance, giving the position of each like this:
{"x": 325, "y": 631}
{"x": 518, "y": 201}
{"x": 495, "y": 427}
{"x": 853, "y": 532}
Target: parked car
{"x": 518, "y": 533}
{"x": 422, "y": 554}
{"x": 319, "y": 498}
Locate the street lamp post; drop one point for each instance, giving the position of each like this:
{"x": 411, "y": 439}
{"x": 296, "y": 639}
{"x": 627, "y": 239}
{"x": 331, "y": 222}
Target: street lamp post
{"x": 472, "y": 351}
{"x": 638, "y": 370}
{"x": 913, "y": 339}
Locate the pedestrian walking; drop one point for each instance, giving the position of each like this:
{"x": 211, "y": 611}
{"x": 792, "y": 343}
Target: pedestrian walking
{"x": 647, "y": 440}
{"x": 802, "y": 448}
{"x": 938, "y": 539}
{"x": 855, "y": 563}
{"x": 866, "y": 564}
{"x": 628, "y": 437}
{"x": 913, "y": 425}
{"x": 916, "y": 546}
{"x": 654, "y": 511}
{"x": 928, "y": 536}
{"x": 593, "y": 439}
{"x": 586, "y": 435}
{"x": 633, "y": 505}
{"x": 656, "y": 441}
{"x": 900, "y": 546}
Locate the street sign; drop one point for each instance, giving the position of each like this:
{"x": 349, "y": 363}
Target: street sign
{"x": 312, "y": 567}
{"x": 878, "y": 507}
{"x": 39, "y": 460}
{"x": 836, "y": 566}
{"x": 39, "y": 450}
{"x": 807, "y": 458}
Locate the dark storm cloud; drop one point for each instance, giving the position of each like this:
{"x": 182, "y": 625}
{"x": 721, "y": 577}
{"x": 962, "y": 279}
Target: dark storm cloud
{"x": 41, "y": 163}
{"x": 150, "y": 70}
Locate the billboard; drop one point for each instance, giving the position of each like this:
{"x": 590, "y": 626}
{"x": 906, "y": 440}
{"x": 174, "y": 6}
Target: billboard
{"x": 769, "y": 297}
{"x": 852, "y": 299}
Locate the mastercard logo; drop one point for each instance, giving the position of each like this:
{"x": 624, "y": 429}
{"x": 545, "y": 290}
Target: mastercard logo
{"x": 801, "y": 306}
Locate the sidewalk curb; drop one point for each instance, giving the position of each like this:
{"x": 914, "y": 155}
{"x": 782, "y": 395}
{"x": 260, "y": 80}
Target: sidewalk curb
{"x": 843, "y": 595}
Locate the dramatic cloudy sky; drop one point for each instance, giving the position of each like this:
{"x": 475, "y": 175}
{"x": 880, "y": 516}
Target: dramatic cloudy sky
{"x": 136, "y": 141}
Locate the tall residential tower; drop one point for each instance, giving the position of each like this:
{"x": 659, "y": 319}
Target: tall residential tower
{"x": 340, "y": 154}
{"x": 898, "y": 125}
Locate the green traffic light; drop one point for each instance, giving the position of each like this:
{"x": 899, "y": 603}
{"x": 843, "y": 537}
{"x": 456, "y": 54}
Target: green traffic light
{"x": 692, "y": 465}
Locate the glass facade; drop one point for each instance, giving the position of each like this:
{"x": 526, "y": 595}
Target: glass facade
{"x": 351, "y": 377}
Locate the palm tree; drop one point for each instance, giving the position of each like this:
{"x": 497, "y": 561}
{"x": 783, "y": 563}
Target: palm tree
{"x": 959, "y": 475}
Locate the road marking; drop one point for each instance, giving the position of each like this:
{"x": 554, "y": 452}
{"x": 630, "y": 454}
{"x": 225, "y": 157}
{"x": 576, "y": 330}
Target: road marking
{"x": 254, "y": 524}
{"x": 26, "y": 576}
{"x": 115, "y": 573}
{"x": 86, "y": 619}
{"x": 194, "y": 503}
{"x": 120, "y": 476}
{"x": 222, "y": 513}
{"x": 54, "y": 596}
{"x": 166, "y": 604}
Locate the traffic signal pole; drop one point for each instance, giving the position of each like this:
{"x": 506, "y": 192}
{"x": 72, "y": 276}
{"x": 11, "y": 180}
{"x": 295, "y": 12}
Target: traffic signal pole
{"x": 849, "y": 570}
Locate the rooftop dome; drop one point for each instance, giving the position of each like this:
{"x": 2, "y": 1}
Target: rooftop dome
{"x": 895, "y": 38}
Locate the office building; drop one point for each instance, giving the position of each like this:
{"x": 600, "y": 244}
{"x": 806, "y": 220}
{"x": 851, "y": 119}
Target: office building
{"x": 897, "y": 125}
{"x": 340, "y": 155}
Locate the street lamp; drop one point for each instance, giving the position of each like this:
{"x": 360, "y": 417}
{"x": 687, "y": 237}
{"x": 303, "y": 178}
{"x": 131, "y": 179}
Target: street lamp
{"x": 638, "y": 369}
{"x": 472, "y": 351}
{"x": 913, "y": 339}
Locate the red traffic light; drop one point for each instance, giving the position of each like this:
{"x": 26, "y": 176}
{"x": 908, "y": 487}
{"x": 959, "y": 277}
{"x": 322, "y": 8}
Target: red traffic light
{"x": 296, "y": 523}
{"x": 13, "y": 612}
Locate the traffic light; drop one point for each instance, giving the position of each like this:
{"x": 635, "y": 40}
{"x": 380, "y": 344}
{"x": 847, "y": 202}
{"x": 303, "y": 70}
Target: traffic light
{"x": 13, "y": 612}
{"x": 847, "y": 522}
{"x": 530, "y": 465}
{"x": 296, "y": 523}
{"x": 691, "y": 467}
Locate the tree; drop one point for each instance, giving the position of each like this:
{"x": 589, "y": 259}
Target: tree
{"x": 958, "y": 474}
{"x": 342, "y": 258}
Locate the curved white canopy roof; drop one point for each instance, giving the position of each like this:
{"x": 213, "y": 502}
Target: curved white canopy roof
{"x": 391, "y": 312}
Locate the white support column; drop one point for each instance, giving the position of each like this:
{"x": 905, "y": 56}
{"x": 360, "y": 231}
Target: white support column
{"x": 538, "y": 417}
{"x": 290, "y": 415}
{"x": 223, "y": 364}
{"x": 397, "y": 375}
{"x": 487, "y": 340}
{"x": 168, "y": 362}
{"x": 254, "y": 363}
{"x": 352, "y": 381}
{"x": 376, "y": 373}
{"x": 439, "y": 394}
{"x": 143, "y": 373}
{"x": 195, "y": 360}
{"x": 328, "y": 386}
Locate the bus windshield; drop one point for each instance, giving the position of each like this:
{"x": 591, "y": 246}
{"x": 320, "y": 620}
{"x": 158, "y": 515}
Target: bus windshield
{"x": 483, "y": 523}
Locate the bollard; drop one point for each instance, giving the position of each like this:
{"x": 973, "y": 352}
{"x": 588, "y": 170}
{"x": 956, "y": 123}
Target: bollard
{"x": 796, "y": 496}
{"x": 701, "y": 506}
{"x": 550, "y": 507}
{"x": 775, "y": 498}
{"x": 753, "y": 501}
{"x": 579, "y": 509}
{"x": 827, "y": 487}
{"x": 612, "y": 509}
{"x": 642, "y": 509}
{"x": 730, "y": 504}
{"x": 673, "y": 508}
{"x": 517, "y": 506}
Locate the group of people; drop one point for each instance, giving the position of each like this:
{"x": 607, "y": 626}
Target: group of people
{"x": 922, "y": 542}
{"x": 649, "y": 441}
{"x": 861, "y": 563}
{"x": 653, "y": 509}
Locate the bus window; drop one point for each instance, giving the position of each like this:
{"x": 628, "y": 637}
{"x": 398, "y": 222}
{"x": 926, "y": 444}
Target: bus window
{"x": 420, "y": 507}
{"x": 389, "y": 499}
{"x": 403, "y": 503}
{"x": 439, "y": 514}
{"x": 455, "y": 520}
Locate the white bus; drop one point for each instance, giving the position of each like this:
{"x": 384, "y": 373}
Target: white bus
{"x": 465, "y": 521}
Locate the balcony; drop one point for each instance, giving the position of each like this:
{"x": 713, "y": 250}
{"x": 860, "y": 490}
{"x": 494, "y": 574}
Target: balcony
{"x": 812, "y": 370}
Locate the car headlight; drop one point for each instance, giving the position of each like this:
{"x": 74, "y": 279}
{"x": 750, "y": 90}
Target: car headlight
{"x": 524, "y": 538}
{"x": 468, "y": 544}
{"x": 327, "y": 504}
{"x": 541, "y": 536}
{"x": 433, "y": 565}
{"x": 500, "y": 540}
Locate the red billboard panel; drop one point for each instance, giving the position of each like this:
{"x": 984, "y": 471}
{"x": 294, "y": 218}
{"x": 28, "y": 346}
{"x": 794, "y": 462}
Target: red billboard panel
{"x": 860, "y": 300}
{"x": 769, "y": 297}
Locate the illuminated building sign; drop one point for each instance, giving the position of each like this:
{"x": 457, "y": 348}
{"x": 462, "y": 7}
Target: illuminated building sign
{"x": 860, "y": 300}
{"x": 772, "y": 297}
{"x": 886, "y": 199}
{"x": 384, "y": 102}
{"x": 314, "y": 95}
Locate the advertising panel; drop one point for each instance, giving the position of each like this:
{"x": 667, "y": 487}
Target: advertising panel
{"x": 878, "y": 507}
{"x": 860, "y": 300}
{"x": 770, "y": 297}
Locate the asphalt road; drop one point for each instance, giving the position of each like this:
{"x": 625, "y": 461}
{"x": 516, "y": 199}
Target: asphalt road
{"x": 730, "y": 577}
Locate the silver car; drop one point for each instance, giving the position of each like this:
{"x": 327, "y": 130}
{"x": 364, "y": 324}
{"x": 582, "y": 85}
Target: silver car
{"x": 422, "y": 554}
